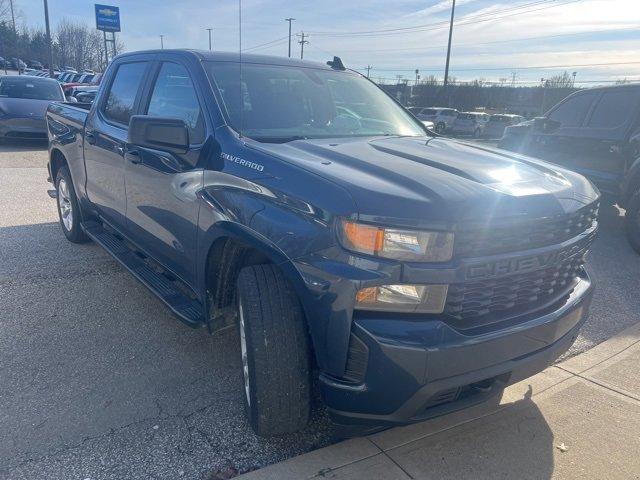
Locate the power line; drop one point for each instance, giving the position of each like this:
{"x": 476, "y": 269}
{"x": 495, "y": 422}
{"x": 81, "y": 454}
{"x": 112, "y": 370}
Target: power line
{"x": 265, "y": 44}
{"x": 494, "y": 42}
{"x": 530, "y": 67}
{"x": 466, "y": 20}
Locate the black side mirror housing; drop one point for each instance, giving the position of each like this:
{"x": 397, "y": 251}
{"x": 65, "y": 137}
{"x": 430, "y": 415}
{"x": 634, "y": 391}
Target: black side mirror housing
{"x": 545, "y": 125}
{"x": 169, "y": 135}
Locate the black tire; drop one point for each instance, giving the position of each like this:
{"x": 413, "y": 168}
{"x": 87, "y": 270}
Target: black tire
{"x": 276, "y": 370}
{"x": 68, "y": 208}
{"x": 632, "y": 221}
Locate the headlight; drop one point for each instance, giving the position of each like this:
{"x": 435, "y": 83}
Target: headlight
{"x": 409, "y": 245}
{"x": 403, "y": 298}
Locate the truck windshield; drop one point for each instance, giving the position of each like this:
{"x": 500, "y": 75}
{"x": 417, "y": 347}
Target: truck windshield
{"x": 284, "y": 103}
{"x": 31, "y": 88}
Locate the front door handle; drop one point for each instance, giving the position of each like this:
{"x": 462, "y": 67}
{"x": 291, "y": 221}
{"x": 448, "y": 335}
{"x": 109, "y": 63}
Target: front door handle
{"x": 90, "y": 137}
{"x": 133, "y": 156}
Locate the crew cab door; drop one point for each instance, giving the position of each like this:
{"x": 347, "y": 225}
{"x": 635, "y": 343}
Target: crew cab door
{"x": 606, "y": 150}
{"x": 162, "y": 208}
{"x": 560, "y": 139}
{"x": 105, "y": 137}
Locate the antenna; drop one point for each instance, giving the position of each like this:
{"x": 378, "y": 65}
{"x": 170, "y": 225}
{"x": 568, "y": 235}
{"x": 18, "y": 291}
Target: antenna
{"x": 240, "y": 58}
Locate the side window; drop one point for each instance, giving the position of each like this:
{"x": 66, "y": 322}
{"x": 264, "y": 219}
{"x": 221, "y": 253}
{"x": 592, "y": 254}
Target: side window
{"x": 123, "y": 91}
{"x": 175, "y": 97}
{"x": 571, "y": 113}
{"x": 614, "y": 109}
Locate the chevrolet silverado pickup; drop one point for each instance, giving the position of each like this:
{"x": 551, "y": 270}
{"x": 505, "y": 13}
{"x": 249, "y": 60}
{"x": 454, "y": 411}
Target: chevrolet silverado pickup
{"x": 409, "y": 275}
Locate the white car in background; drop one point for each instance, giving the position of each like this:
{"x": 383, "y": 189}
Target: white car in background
{"x": 470, "y": 123}
{"x": 442, "y": 118}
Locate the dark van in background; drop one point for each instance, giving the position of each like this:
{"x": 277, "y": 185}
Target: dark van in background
{"x": 594, "y": 132}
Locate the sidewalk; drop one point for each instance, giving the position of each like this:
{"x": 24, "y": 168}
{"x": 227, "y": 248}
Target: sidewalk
{"x": 577, "y": 419}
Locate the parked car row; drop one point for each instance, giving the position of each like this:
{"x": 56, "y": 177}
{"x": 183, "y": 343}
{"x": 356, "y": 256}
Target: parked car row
{"x": 475, "y": 124}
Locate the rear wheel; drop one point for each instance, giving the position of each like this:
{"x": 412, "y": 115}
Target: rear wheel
{"x": 68, "y": 208}
{"x": 275, "y": 352}
{"x": 632, "y": 221}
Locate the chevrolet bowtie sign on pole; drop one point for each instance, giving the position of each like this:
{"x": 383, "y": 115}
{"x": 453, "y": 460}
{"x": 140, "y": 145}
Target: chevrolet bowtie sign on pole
{"x": 108, "y": 20}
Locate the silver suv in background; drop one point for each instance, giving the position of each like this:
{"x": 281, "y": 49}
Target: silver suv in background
{"x": 470, "y": 123}
{"x": 498, "y": 122}
{"x": 442, "y": 118}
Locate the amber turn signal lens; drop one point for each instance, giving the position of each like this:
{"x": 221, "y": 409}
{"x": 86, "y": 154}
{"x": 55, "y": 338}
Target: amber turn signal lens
{"x": 363, "y": 238}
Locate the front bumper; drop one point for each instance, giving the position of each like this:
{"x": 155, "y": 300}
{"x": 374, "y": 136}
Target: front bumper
{"x": 443, "y": 370}
{"x": 448, "y": 370}
{"x": 23, "y": 128}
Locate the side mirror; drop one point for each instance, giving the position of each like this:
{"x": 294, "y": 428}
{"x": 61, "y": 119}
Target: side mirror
{"x": 545, "y": 125}
{"x": 165, "y": 134}
{"x": 71, "y": 99}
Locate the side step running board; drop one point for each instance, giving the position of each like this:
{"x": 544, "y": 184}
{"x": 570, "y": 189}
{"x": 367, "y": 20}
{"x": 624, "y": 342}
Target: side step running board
{"x": 188, "y": 310}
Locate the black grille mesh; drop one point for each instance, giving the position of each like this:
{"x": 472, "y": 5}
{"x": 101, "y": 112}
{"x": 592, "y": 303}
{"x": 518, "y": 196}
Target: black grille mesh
{"x": 511, "y": 236}
{"x": 519, "y": 292}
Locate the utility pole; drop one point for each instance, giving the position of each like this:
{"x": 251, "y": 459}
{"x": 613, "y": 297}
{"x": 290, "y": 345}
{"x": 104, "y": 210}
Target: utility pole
{"x": 15, "y": 33}
{"x": 162, "y": 42}
{"x": 302, "y": 41}
{"x": 368, "y": 67}
{"x": 417, "y": 76}
{"x": 48, "y": 32}
{"x": 446, "y": 68}
{"x": 289, "y": 20}
{"x": 209, "y": 30}
{"x": 514, "y": 75}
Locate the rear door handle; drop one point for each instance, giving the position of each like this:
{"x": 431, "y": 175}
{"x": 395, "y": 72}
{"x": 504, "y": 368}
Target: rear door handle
{"x": 90, "y": 137}
{"x": 133, "y": 156}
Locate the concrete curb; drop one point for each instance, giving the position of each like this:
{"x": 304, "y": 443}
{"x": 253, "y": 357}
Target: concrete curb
{"x": 368, "y": 457}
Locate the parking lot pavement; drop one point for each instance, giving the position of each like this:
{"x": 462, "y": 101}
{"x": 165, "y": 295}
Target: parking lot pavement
{"x": 98, "y": 380}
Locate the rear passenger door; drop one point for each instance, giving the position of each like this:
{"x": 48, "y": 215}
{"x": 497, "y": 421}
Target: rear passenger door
{"x": 606, "y": 151}
{"x": 105, "y": 137}
{"x": 162, "y": 208}
{"x": 564, "y": 145}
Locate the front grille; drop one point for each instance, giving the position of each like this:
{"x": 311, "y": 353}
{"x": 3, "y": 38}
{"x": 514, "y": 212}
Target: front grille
{"x": 476, "y": 302}
{"x": 516, "y": 235}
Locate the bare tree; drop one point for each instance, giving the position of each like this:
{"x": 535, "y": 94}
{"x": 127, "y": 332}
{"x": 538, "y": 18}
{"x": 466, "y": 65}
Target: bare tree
{"x": 564, "y": 80}
{"x": 78, "y": 45}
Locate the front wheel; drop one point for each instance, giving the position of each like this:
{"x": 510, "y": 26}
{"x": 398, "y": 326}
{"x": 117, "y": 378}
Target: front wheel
{"x": 275, "y": 352}
{"x": 632, "y": 221}
{"x": 68, "y": 208}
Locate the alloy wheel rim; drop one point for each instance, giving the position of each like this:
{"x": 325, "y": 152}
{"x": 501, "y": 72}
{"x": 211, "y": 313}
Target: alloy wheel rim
{"x": 243, "y": 349}
{"x": 64, "y": 202}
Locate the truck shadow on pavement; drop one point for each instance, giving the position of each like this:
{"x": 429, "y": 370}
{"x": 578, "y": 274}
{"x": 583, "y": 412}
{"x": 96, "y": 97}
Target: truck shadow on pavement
{"x": 515, "y": 442}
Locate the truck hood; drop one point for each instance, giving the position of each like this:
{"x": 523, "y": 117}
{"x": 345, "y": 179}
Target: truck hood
{"x": 422, "y": 180}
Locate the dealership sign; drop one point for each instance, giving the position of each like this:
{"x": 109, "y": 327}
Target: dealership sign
{"x": 107, "y": 18}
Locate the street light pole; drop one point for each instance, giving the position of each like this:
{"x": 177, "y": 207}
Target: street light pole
{"x": 209, "y": 30}
{"x": 48, "y": 32}
{"x": 446, "y": 68}
{"x": 289, "y": 20}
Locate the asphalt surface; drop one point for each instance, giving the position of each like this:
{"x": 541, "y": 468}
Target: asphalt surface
{"x": 99, "y": 381}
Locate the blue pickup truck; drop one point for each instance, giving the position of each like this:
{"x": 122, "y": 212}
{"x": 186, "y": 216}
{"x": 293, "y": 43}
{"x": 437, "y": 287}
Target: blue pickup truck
{"x": 409, "y": 275}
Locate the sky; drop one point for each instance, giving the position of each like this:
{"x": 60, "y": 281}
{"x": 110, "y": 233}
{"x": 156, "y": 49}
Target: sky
{"x": 521, "y": 41}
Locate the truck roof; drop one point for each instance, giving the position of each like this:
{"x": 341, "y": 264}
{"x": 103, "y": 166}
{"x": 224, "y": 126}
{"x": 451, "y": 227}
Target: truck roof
{"x": 234, "y": 57}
